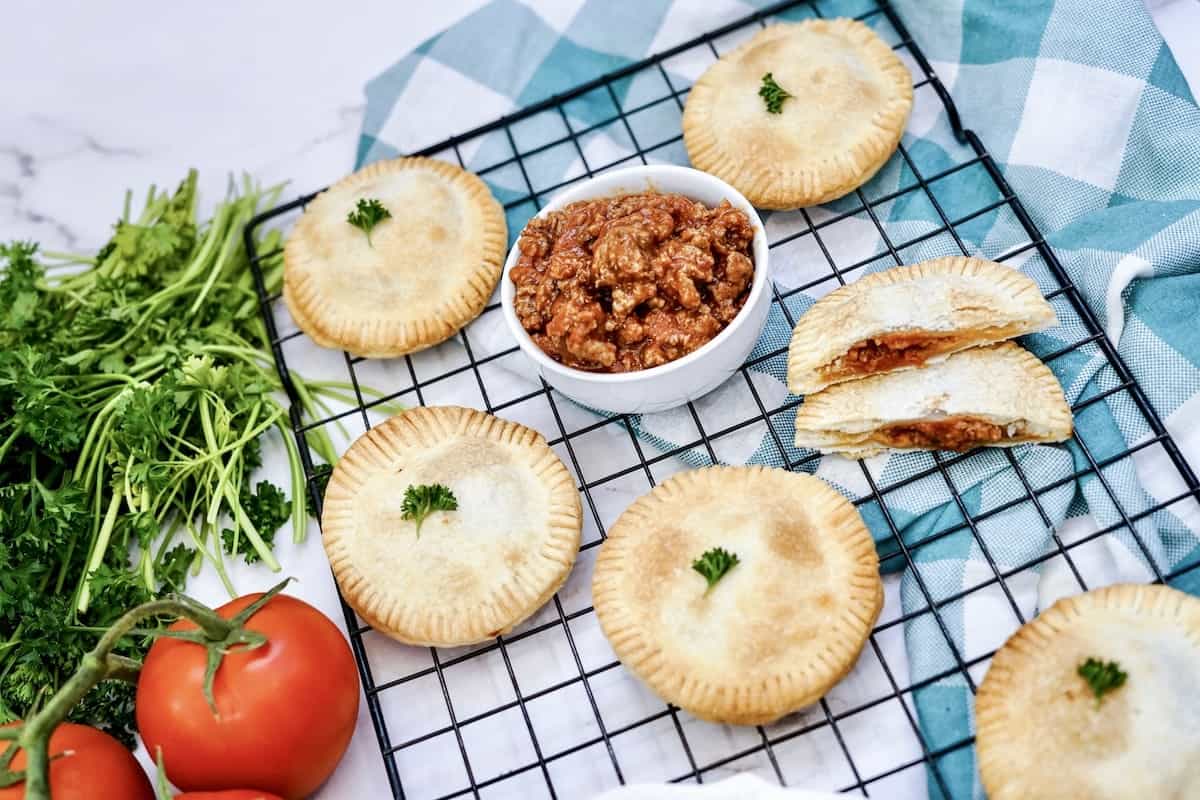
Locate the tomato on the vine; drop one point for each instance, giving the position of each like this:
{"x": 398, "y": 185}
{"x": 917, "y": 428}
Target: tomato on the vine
{"x": 285, "y": 710}
{"x": 85, "y": 764}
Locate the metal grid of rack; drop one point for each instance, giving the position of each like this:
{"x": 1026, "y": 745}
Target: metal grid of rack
{"x": 600, "y": 748}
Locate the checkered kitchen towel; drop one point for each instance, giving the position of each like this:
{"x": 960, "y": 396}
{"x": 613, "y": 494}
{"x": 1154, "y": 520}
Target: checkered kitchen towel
{"x": 1086, "y": 113}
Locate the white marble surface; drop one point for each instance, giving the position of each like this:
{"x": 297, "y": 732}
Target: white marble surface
{"x": 99, "y": 98}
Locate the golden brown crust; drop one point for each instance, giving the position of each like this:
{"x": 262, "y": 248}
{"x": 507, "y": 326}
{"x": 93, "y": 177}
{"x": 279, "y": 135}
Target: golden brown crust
{"x": 778, "y": 630}
{"x": 1040, "y": 733}
{"x": 960, "y": 302}
{"x": 839, "y": 128}
{"x": 472, "y": 573}
{"x": 1002, "y": 384}
{"x": 428, "y": 270}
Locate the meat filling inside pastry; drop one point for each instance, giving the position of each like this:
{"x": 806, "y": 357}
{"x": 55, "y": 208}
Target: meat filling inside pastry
{"x": 892, "y": 351}
{"x": 997, "y": 395}
{"x": 951, "y": 433}
{"x": 905, "y": 317}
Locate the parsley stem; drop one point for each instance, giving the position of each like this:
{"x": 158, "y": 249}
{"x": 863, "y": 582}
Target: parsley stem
{"x": 98, "y": 421}
{"x": 317, "y": 438}
{"x": 299, "y": 510}
{"x": 12, "y": 437}
{"x": 96, "y": 554}
{"x": 239, "y": 217}
{"x": 235, "y": 452}
{"x": 217, "y": 559}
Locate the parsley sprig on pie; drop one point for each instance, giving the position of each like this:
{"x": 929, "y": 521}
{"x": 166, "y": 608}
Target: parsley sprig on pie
{"x": 421, "y": 501}
{"x": 1102, "y": 676}
{"x": 773, "y": 94}
{"x": 367, "y": 214}
{"x": 713, "y": 565}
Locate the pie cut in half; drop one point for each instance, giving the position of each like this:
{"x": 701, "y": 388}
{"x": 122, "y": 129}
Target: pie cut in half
{"x": 848, "y": 96}
{"x": 410, "y": 281}
{"x": 777, "y": 629}
{"x": 1095, "y": 699}
{"x": 460, "y": 575}
{"x": 995, "y": 396}
{"x": 904, "y": 317}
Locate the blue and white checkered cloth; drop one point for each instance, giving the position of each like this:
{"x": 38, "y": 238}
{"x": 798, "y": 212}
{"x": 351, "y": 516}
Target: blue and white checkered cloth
{"x": 1086, "y": 114}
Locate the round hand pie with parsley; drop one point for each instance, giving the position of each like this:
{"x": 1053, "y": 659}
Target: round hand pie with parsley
{"x": 739, "y": 593}
{"x": 801, "y": 114}
{"x": 394, "y": 258}
{"x": 1096, "y": 699}
{"x": 447, "y": 526}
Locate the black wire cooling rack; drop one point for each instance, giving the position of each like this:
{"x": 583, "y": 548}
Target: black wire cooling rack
{"x": 471, "y": 705}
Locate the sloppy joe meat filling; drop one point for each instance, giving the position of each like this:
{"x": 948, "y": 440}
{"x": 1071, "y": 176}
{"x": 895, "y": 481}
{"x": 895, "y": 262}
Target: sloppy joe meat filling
{"x": 627, "y": 283}
{"x": 892, "y": 350}
{"x": 950, "y": 433}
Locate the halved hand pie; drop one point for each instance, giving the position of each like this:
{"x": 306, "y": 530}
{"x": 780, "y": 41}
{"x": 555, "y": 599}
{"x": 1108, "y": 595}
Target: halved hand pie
{"x": 457, "y": 572}
{"x": 987, "y": 396}
{"x": 907, "y": 316}
{"x": 1095, "y": 699}
{"x": 424, "y": 269}
{"x": 739, "y": 593}
{"x": 800, "y": 114}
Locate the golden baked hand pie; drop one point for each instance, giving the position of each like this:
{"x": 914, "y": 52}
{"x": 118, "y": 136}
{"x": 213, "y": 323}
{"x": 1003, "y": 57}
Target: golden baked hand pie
{"x": 772, "y": 635}
{"x": 466, "y": 575}
{"x": 849, "y": 99}
{"x": 995, "y": 396}
{"x": 904, "y": 317}
{"x": 423, "y": 273}
{"x": 1043, "y": 734}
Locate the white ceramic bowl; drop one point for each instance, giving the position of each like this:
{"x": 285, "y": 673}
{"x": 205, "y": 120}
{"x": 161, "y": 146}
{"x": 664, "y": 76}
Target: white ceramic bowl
{"x": 684, "y": 379}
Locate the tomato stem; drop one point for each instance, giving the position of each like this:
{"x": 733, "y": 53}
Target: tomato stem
{"x": 215, "y": 633}
{"x": 161, "y": 790}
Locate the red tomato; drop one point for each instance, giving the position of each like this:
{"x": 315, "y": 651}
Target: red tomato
{"x": 97, "y": 766}
{"x": 287, "y": 709}
{"x": 228, "y": 794}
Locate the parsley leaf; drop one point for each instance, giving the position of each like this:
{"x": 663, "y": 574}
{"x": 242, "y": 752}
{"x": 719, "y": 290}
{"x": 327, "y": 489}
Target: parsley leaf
{"x": 713, "y": 565}
{"x": 772, "y": 94}
{"x": 421, "y": 501}
{"x": 25, "y": 315}
{"x": 367, "y": 213}
{"x": 267, "y": 508}
{"x": 1102, "y": 676}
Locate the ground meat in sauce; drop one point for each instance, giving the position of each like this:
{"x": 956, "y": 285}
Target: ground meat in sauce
{"x": 627, "y": 283}
{"x": 952, "y": 433}
{"x": 889, "y": 351}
